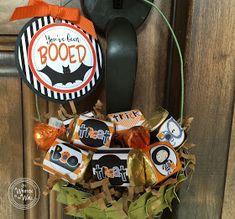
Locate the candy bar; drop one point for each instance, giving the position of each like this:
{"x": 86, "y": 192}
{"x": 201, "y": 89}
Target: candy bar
{"x": 66, "y": 160}
{"x": 163, "y": 160}
{"x": 112, "y": 164}
{"x": 68, "y": 123}
{"x": 126, "y": 120}
{"x": 170, "y": 131}
{"x": 92, "y": 133}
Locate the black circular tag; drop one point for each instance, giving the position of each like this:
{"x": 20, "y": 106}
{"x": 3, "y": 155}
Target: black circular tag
{"x": 59, "y": 61}
{"x": 117, "y": 166}
{"x": 100, "y": 127}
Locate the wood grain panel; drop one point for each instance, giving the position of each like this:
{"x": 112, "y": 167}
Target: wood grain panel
{"x": 229, "y": 199}
{"x": 11, "y": 142}
{"x": 209, "y": 99}
{"x": 31, "y": 152}
{"x": 7, "y": 43}
{"x": 152, "y": 61}
{"x": 55, "y": 209}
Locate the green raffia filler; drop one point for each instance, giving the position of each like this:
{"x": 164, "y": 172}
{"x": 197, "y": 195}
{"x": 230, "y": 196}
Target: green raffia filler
{"x": 146, "y": 205}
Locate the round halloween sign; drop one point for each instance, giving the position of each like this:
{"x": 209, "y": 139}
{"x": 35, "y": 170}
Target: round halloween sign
{"x": 59, "y": 61}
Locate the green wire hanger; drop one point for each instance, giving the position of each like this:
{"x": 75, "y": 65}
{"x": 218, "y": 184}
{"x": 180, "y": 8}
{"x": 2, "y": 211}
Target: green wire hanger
{"x": 179, "y": 52}
{"x": 180, "y": 56}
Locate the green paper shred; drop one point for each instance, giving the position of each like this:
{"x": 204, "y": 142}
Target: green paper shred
{"x": 69, "y": 196}
{"x": 137, "y": 209}
{"x": 147, "y": 205}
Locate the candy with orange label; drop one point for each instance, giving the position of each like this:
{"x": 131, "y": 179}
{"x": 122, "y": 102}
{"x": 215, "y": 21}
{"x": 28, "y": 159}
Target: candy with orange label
{"x": 127, "y": 119}
{"x": 163, "y": 160}
{"x": 68, "y": 123}
{"x": 66, "y": 160}
{"x": 92, "y": 133}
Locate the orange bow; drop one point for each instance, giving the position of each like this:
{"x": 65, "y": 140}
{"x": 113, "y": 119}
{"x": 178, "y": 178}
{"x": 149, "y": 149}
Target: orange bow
{"x": 39, "y": 8}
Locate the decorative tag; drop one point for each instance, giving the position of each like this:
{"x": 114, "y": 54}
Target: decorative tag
{"x": 65, "y": 159}
{"x": 127, "y": 119}
{"x": 112, "y": 164}
{"x": 59, "y": 61}
{"x": 92, "y": 133}
{"x": 164, "y": 159}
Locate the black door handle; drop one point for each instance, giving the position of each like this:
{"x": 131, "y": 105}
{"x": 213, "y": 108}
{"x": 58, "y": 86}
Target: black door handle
{"x": 121, "y": 63}
{"x": 118, "y": 19}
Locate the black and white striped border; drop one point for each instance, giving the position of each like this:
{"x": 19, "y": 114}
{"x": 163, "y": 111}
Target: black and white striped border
{"x": 22, "y": 51}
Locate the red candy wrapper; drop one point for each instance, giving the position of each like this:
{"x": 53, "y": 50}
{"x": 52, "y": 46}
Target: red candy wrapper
{"x": 45, "y": 135}
{"x": 136, "y": 137}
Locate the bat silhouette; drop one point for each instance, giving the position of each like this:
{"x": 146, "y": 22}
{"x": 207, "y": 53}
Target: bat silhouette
{"x": 68, "y": 76}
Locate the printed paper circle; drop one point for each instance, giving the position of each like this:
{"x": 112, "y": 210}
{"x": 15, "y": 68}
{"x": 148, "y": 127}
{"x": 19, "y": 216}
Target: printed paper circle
{"x": 59, "y": 61}
{"x": 162, "y": 156}
{"x": 97, "y": 126}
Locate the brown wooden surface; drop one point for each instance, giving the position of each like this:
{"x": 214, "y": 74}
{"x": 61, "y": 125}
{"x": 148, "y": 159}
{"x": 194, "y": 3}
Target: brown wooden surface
{"x": 229, "y": 200}
{"x": 205, "y": 31}
{"x": 11, "y": 162}
{"x": 209, "y": 99}
{"x": 152, "y": 59}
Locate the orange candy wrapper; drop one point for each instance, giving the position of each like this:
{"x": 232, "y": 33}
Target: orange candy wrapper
{"x": 45, "y": 135}
{"x": 136, "y": 137}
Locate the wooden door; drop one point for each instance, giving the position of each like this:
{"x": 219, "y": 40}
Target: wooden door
{"x": 205, "y": 30}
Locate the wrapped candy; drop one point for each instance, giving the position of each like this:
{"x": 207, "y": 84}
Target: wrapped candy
{"x": 140, "y": 171}
{"x": 66, "y": 160}
{"x": 111, "y": 163}
{"x": 163, "y": 160}
{"x": 135, "y": 137}
{"x": 126, "y": 120}
{"x": 92, "y": 133}
{"x": 157, "y": 118}
{"x": 136, "y": 168}
{"x": 138, "y": 178}
{"x": 69, "y": 123}
{"x": 171, "y": 131}
{"x": 163, "y": 128}
{"x": 45, "y": 134}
